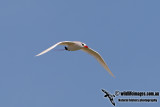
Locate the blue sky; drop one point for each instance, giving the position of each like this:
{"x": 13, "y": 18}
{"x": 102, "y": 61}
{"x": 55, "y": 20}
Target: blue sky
{"x": 125, "y": 32}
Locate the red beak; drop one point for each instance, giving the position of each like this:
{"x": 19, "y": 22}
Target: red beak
{"x": 86, "y": 46}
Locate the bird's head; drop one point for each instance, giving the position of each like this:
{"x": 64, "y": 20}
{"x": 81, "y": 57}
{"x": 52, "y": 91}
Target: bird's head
{"x": 84, "y": 45}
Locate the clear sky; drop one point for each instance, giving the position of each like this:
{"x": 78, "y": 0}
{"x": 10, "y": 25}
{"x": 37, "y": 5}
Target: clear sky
{"x": 125, "y": 32}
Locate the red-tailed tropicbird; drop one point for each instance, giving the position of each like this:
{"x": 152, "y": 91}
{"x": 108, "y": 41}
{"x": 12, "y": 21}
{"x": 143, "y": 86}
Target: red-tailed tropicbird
{"x": 76, "y": 45}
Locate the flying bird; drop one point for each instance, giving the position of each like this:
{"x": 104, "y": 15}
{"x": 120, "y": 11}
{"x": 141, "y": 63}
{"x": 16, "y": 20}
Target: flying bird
{"x": 76, "y": 45}
{"x": 107, "y": 94}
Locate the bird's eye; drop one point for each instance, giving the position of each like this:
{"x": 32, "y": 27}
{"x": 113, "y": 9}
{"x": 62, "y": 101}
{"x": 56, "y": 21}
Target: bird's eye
{"x": 82, "y": 44}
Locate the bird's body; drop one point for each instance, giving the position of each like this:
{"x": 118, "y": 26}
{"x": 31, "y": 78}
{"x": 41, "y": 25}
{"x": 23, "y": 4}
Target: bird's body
{"x": 76, "y": 45}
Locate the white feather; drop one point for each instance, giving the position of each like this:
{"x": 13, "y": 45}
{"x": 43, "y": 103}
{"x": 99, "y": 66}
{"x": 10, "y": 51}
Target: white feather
{"x": 59, "y": 43}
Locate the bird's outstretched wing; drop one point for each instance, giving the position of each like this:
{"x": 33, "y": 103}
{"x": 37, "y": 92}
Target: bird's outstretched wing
{"x": 59, "y": 43}
{"x": 104, "y": 91}
{"x": 113, "y": 102}
{"x": 98, "y": 57}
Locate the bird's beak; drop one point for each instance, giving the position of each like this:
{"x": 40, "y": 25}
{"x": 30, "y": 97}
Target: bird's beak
{"x": 86, "y": 46}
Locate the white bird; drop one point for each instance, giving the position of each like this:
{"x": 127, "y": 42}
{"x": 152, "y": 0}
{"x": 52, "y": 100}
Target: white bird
{"x": 76, "y": 45}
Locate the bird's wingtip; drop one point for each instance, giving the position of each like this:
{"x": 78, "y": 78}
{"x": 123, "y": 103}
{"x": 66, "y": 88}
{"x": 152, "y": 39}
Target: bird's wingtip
{"x": 111, "y": 73}
{"x": 37, "y": 55}
{"x": 113, "y": 76}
